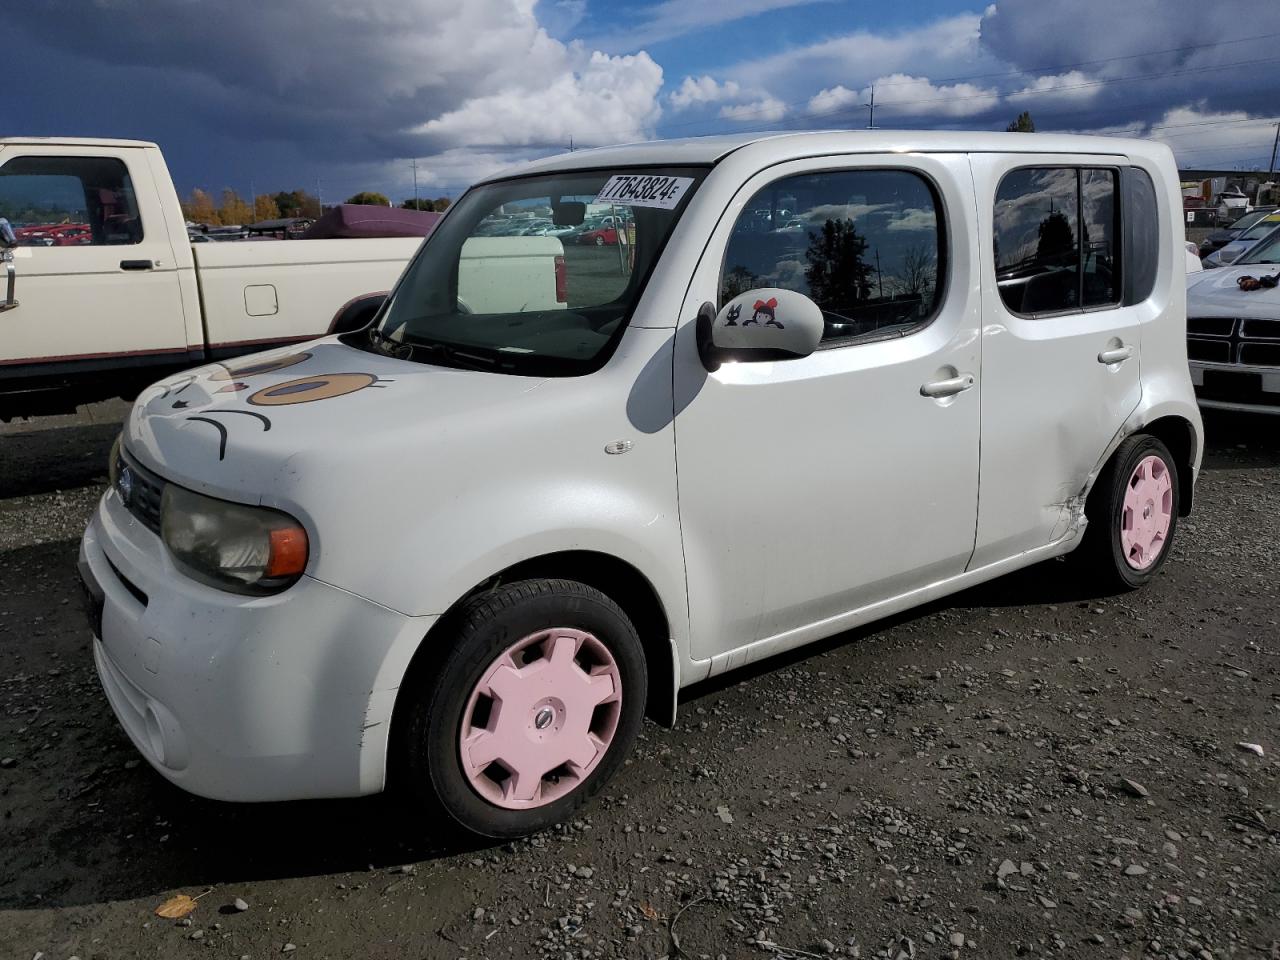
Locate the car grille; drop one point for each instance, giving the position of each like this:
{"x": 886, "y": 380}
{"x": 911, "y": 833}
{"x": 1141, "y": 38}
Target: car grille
{"x": 144, "y": 492}
{"x": 1248, "y": 341}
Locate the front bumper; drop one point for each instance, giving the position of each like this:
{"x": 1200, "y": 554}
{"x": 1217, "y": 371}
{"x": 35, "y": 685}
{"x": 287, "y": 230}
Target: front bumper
{"x": 1236, "y": 387}
{"x": 242, "y": 698}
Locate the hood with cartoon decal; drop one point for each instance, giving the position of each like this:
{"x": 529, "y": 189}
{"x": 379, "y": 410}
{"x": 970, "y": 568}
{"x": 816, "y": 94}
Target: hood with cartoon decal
{"x": 229, "y": 428}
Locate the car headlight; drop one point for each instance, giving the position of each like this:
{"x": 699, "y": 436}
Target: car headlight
{"x": 235, "y": 547}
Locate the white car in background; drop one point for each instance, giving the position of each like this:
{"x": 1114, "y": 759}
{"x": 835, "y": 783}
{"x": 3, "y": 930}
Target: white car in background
{"x": 466, "y": 549}
{"x": 1233, "y": 334}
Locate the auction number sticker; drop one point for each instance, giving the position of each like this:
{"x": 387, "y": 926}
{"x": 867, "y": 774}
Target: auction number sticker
{"x": 639, "y": 190}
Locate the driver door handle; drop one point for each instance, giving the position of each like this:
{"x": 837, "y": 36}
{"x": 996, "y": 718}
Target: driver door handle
{"x": 949, "y": 387}
{"x": 1118, "y": 355}
{"x": 136, "y": 264}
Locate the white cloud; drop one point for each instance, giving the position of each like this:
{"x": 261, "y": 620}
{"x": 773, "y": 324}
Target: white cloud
{"x": 602, "y": 100}
{"x": 831, "y": 99}
{"x": 701, "y": 90}
{"x": 766, "y": 109}
{"x": 674, "y": 18}
{"x": 1065, "y": 88}
{"x": 949, "y": 46}
{"x": 900, "y": 94}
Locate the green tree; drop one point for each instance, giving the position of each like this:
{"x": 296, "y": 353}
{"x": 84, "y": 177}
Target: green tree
{"x": 369, "y": 199}
{"x": 442, "y": 204}
{"x": 422, "y": 203}
{"x": 1024, "y": 124}
{"x": 297, "y": 203}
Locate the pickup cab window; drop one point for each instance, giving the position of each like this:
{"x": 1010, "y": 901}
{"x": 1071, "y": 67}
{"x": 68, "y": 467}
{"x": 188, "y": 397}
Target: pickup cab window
{"x": 865, "y": 245}
{"x": 69, "y": 201}
{"x": 536, "y": 275}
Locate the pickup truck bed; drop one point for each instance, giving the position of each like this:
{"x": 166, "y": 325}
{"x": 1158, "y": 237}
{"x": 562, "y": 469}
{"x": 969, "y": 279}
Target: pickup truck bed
{"x": 110, "y": 295}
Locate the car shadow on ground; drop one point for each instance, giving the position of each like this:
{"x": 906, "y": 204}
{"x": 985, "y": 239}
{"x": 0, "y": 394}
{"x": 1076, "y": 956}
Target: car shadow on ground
{"x": 62, "y": 458}
{"x": 1241, "y": 441}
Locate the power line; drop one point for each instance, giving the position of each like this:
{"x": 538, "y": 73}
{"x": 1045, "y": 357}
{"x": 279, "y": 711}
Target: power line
{"x": 1088, "y": 63}
{"x": 1033, "y": 70}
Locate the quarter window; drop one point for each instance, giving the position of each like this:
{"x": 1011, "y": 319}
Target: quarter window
{"x": 69, "y": 201}
{"x": 1057, "y": 239}
{"x": 865, "y": 245}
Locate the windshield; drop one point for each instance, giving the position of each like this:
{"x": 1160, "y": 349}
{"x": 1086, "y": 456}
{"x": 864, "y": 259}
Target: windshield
{"x": 1260, "y": 229}
{"x": 537, "y": 275}
{"x": 1266, "y": 251}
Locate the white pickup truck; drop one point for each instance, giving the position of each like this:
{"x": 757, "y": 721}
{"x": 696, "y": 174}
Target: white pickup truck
{"x": 108, "y": 295}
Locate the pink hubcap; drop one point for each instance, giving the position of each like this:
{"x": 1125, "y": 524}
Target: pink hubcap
{"x": 1147, "y": 514}
{"x": 540, "y": 719}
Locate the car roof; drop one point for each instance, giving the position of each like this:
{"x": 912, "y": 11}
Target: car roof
{"x": 705, "y": 151}
{"x": 72, "y": 142}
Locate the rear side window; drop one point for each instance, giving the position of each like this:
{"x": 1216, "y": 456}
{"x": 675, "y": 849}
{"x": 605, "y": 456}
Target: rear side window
{"x": 865, "y": 245}
{"x": 69, "y": 201}
{"x": 1057, "y": 239}
{"x": 1142, "y": 235}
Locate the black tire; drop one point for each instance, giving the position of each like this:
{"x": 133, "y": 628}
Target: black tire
{"x": 1101, "y": 558}
{"x": 430, "y": 764}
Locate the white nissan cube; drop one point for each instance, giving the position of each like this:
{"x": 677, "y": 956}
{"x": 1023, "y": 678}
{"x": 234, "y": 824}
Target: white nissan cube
{"x": 741, "y": 394}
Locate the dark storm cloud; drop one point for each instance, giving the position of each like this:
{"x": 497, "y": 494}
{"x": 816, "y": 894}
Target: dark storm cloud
{"x": 1150, "y": 56}
{"x": 320, "y": 83}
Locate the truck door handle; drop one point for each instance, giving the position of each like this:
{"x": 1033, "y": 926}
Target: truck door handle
{"x": 949, "y": 387}
{"x": 1117, "y": 355}
{"x": 136, "y": 264}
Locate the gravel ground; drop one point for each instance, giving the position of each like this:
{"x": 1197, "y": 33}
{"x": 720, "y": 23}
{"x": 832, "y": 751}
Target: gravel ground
{"x": 1022, "y": 770}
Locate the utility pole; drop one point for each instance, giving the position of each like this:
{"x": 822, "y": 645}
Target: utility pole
{"x": 871, "y": 120}
{"x": 1271, "y": 170}
{"x": 879, "y": 275}
{"x": 319, "y": 199}
{"x": 571, "y": 143}
{"x": 415, "y": 183}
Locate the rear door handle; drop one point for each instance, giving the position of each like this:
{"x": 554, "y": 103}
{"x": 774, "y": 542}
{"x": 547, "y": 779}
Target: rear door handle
{"x": 949, "y": 387}
{"x": 136, "y": 265}
{"x": 1118, "y": 355}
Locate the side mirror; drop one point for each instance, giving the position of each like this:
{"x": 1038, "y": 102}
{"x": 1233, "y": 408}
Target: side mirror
{"x": 765, "y": 324}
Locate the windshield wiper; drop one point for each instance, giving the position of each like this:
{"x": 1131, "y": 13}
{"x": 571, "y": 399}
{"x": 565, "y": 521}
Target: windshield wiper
{"x": 451, "y": 355}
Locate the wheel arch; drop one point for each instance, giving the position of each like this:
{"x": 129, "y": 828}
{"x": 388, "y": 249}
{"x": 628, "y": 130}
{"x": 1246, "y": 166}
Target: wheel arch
{"x": 622, "y": 582}
{"x": 1179, "y": 435}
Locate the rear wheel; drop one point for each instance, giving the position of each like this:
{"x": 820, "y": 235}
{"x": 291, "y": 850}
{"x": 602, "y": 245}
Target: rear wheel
{"x": 1133, "y": 515}
{"x": 536, "y": 704}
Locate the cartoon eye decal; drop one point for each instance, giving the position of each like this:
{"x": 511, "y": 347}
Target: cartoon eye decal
{"x": 253, "y": 369}
{"x": 320, "y": 387}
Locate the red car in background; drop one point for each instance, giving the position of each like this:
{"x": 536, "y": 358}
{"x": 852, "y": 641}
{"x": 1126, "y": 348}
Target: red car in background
{"x": 601, "y": 236}
{"x": 55, "y": 235}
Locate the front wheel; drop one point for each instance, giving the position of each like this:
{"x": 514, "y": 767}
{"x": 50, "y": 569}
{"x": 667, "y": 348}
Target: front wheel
{"x": 1133, "y": 515}
{"x": 537, "y": 702}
